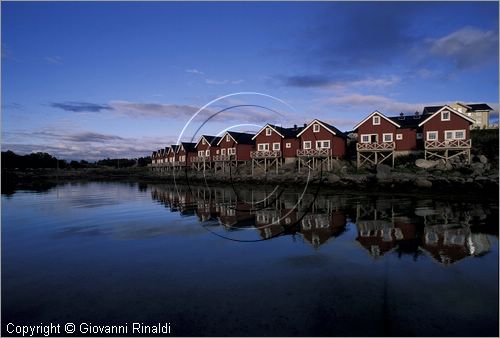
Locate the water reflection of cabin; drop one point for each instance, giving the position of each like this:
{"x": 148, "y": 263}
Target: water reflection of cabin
{"x": 448, "y": 243}
{"x": 317, "y": 229}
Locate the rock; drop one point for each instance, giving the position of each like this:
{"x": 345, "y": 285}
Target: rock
{"x": 422, "y": 183}
{"x": 443, "y": 165}
{"x": 478, "y": 168}
{"x": 332, "y": 178}
{"x": 426, "y": 164}
{"x": 482, "y": 159}
{"x": 337, "y": 165}
{"x": 383, "y": 172}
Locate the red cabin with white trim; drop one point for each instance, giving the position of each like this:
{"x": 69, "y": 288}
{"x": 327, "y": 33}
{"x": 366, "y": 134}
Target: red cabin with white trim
{"x": 320, "y": 137}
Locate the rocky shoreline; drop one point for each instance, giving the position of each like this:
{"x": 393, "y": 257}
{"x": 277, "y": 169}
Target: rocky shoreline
{"x": 422, "y": 176}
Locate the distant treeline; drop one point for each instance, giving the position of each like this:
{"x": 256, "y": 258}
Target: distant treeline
{"x": 11, "y": 160}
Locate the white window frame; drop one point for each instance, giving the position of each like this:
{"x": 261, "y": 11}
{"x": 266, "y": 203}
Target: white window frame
{"x": 432, "y": 132}
{"x": 376, "y": 120}
{"x": 227, "y": 138}
{"x": 203, "y": 141}
{"x": 307, "y": 145}
{"x": 442, "y": 115}
{"x": 231, "y": 151}
{"x": 399, "y": 137}
{"x": 217, "y": 151}
{"x": 323, "y": 144}
{"x": 365, "y": 135}
{"x": 276, "y": 146}
{"x": 268, "y": 131}
{"x": 263, "y": 147}
{"x": 454, "y": 134}
{"x": 387, "y": 134}
{"x": 316, "y": 128}
{"x": 288, "y": 145}
{"x": 223, "y": 151}
{"x": 420, "y": 136}
{"x": 200, "y": 153}
{"x": 207, "y": 152}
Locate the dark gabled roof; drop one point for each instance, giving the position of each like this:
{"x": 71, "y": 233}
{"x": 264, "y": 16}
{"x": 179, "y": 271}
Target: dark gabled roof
{"x": 474, "y": 106}
{"x": 212, "y": 140}
{"x": 188, "y": 146}
{"x": 480, "y": 106}
{"x": 409, "y": 121}
{"x": 174, "y": 147}
{"x": 287, "y": 132}
{"x": 432, "y": 109}
{"x": 242, "y": 138}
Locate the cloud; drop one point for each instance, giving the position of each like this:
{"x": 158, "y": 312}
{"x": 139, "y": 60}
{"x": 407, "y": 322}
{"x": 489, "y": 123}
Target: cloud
{"x": 137, "y": 109}
{"x": 79, "y": 107}
{"x": 324, "y": 81}
{"x": 53, "y": 59}
{"x": 194, "y": 71}
{"x": 373, "y": 102}
{"x": 467, "y": 47}
{"x": 86, "y": 145}
{"x": 222, "y": 82}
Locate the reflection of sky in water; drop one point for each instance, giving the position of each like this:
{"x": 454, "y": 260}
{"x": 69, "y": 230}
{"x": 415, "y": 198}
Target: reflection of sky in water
{"x": 105, "y": 252}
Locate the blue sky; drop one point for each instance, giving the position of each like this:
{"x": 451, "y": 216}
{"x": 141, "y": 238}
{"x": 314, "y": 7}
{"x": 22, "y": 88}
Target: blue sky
{"x": 88, "y": 80}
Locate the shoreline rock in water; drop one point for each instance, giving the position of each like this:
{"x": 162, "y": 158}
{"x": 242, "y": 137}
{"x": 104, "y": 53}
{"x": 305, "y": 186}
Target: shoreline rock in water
{"x": 478, "y": 177}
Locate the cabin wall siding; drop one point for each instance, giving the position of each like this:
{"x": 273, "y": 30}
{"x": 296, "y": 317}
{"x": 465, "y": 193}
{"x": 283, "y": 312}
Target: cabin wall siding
{"x": 455, "y": 123}
{"x": 294, "y": 146}
{"x": 337, "y": 144}
{"x": 385, "y": 127}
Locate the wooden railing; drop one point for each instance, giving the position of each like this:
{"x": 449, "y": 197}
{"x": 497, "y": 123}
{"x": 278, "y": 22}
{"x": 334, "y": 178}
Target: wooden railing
{"x": 448, "y": 144}
{"x": 375, "y": 146}
{"x": 314, "y": 152}
{"x": 265, "y": 154}
{"x": 223, "y": 158}
{"x": 198, "y": 159}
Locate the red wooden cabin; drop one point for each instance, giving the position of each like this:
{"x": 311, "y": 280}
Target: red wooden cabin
{"x": 185, "y": 153}
{"x": 320, "y": 142}
{"x": 447, "y": 134}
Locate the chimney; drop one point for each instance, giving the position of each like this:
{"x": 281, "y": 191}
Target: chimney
{"x": 305, "y": 125}
{"x": 401, "y": 116}
{"x": 294, "y": 126}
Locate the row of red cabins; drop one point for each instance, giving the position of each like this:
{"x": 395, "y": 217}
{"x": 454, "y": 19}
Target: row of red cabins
{"x": 444, "y": 134}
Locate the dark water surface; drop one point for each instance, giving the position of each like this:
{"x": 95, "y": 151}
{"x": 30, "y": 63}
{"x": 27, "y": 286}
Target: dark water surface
{"x": 215, "y": 261}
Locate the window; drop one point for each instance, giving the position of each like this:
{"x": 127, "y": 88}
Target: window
{"x": 323, "y": 144}
{"x": 460, "y": 134}
{"x": 387, "y": 137}
{"x": 432, "y": 135}
{"x": 217, "y": 151}
{"x": 399, "y": 136}
{"x": 454, "y": 135}
{"x": 307, "y": 144}
{"x": 223, "y": 151}
{"x": 445, "y": 115}
{"x": 200, "y": 152}
{"x": 276, "y": 146}
{"x": 365, "y": 138}
{"x": 207, "y": 152}
{"x": 419, "y": 136}
{"x": 316, "y": 128}
{"x": 268, "y": 131}
{"x": 263, "y": 146}
{"x": 227, "y": 138}
{"x": 203, "y": 141}
{"x": 231, "y": 151}
{"x": 376, "y": 120}
{"x": 288, "y": 145}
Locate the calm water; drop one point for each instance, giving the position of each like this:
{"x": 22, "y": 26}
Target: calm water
{"x": 224, "y": 261}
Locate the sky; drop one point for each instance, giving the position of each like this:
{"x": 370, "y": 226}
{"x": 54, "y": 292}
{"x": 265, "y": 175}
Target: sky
{"x": 91, "y": 80}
